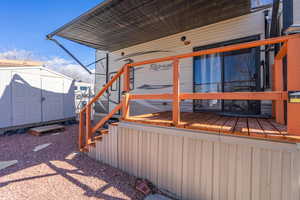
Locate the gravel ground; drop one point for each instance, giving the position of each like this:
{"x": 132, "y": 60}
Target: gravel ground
{"x": 58, "y": 171}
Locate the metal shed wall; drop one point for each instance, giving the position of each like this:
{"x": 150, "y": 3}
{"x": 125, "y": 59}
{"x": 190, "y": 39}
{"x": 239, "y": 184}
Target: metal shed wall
{"x": 194, "y": 165}
{"x": 33, "y": 95}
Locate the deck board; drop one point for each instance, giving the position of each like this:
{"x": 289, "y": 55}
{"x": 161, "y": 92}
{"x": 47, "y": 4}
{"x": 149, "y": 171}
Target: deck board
{"x": 259, "y": 128}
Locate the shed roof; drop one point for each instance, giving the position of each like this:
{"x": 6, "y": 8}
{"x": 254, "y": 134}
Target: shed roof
{"x": 19, "y": 63}
{"x": 117, "y": 24}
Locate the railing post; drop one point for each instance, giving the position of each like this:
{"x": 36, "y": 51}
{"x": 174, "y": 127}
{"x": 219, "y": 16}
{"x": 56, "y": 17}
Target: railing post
{"x": 88, "y": 124}
{"x": 126, "y": 89}
{"x": 81, "y": 130}
{"x": 125, "y": 107}
{"x": 278, "y": 86}
{"x": 176, "y": 93}
{"x": 126, "y": 80}
{"x": 293, "y": 85}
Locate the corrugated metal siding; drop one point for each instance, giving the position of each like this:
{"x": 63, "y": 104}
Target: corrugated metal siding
{"x": 247, "y": 25}
{"x": 193, "y": 165}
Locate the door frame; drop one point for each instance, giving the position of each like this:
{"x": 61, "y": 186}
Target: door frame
{"x": 226, "y": 43}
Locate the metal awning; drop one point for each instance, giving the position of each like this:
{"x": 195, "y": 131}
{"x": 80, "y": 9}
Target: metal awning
{"x": 117, "y": 24}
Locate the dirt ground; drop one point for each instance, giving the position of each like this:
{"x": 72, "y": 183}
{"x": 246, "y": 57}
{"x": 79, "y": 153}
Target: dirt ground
{"x": 58, "y": 171}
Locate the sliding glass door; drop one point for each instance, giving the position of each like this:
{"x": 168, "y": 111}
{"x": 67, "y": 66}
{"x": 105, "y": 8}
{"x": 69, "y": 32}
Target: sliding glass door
{"x": 236, "y": 71}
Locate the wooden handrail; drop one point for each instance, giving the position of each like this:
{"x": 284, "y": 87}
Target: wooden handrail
{"x": 278, "y": 96}
{"x": 89, "y": 130}
{"x": 107, "y": 85}
{"x": 151, "y": 96}
{"x": 107, "y": 117}
{"x": 220, "y": 49}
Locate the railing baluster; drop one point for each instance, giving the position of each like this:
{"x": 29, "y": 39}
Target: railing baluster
{"x": 176, "y": 93}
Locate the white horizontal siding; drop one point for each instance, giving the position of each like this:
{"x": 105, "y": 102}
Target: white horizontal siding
{"x": 247, "y": 25}
{"x": 193, "y": 165}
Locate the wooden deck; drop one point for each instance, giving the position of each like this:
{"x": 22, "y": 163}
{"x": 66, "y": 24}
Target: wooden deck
{"x": 248, "y": 127}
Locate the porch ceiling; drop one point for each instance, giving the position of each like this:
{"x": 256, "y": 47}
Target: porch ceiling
{"x": 117, "y": 24}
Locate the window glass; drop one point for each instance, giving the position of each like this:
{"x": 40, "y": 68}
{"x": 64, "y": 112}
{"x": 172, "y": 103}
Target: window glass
{"x": 259, "y": 3}
{"x": 84, "y": 88}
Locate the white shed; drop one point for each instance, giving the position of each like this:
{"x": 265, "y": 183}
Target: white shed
{"x": 31, "y": 94}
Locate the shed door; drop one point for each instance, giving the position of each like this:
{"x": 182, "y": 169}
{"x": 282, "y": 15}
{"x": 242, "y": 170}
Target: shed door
{"x": 5, "y": 98}
{"x": 52, "y": 98}
{"x": 26, "y": 97}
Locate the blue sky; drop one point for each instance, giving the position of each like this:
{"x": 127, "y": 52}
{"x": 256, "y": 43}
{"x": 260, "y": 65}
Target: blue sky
{"x": 25, "y": 23}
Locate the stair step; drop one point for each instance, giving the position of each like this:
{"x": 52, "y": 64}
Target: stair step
{"x": 102, "y": 131}
{"x": 84, "y": 149}
{"x": 99, "y": 137}
{"x": 92, "y": 144}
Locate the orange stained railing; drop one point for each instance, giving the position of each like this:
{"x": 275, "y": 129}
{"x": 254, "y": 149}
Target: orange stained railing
{"x": 279, "y": 95}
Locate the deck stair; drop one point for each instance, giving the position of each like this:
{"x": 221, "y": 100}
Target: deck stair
{"x": 279, "y": 95}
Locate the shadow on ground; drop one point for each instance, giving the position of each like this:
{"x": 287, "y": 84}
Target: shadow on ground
{"x": 58, "y": 171}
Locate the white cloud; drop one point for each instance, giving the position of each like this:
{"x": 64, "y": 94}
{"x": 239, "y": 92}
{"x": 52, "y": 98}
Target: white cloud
{"x": 17, "y": 55}
{"x": 57, "y": 64}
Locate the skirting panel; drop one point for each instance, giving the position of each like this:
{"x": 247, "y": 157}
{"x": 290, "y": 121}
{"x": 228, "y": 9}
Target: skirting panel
{"x": 194, "y": 165}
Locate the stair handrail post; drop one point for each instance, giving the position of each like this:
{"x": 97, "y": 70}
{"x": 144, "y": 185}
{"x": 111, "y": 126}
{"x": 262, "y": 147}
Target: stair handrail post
{"x": 88, "y": 124}
{"x": 176, "y": 93}
{"x": 81, "y": 129}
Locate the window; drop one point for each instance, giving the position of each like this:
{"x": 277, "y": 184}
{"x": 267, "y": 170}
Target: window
{"x": 260, "y": 3}
{"x": 236, "y": 71}
{"x": 84, "y": 88}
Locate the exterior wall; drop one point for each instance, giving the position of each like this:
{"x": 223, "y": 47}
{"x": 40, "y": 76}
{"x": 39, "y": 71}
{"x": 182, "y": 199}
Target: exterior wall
{"x": 194, "y": 165}
{"x": 296, "y": 6}
{"x": 158, "y": 78}
{"x": 25, "y": 91}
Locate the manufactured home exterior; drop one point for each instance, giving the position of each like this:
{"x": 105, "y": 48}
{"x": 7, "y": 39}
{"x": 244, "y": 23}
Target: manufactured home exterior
{"x": 158, "y": 77}
{"x": 201, "y": 92}
{"x": 33, "y": 95}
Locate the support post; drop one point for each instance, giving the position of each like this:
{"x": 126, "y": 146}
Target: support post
{"x": 126, "y": 80}
{"x": 176, "y": 93}
{"x": 126, "y": 89}
{"x": 293, "y": 85}
{"x": 88, "y": 125}
{"x": 278, "y": 86}
{"x": 125, "y": 107}
{"x": 81, "y": 130}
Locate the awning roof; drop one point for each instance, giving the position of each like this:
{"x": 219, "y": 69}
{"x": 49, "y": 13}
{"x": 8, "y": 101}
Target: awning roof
{"x": 117, "y": 24}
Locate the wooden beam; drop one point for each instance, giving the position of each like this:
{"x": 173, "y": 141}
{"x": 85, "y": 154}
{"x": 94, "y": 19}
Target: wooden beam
{"x": 88, "y": 124}
{"x": 176, "y": 93}
{"x": 107, "y": 117}
{"x": 237, "y": 95}
{"x": 125, "y": 109}
{"x": 283, "y": 51}
{"x": 151, "y": 96}
{"x": 81, "y": 129}
{"x": 101, "y": 92}
{"x": 220, "y": 49}
{"x": 278, "y": 87}
{"x": 126, "y": 78}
